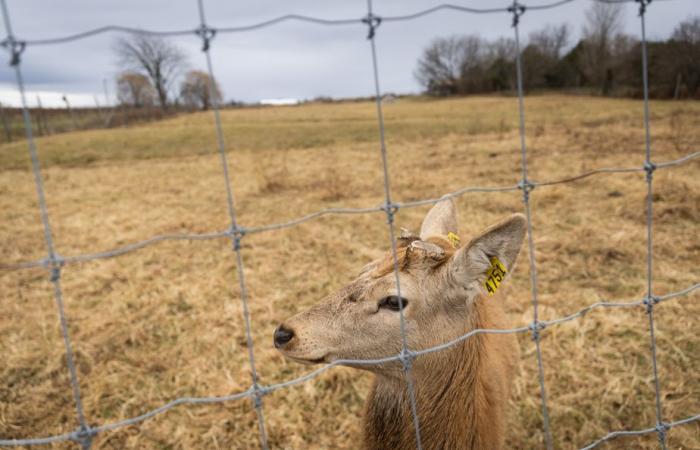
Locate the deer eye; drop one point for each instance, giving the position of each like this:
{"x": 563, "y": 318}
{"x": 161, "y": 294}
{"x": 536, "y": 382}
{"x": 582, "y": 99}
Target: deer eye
{"x": 393, "y": 302}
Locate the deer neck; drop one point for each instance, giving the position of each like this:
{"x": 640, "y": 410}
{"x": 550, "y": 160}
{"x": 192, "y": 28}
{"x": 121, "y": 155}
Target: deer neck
{"x": 452, "y": 399}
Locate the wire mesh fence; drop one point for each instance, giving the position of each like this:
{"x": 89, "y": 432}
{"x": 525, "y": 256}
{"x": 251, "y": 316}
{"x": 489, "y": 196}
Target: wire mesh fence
{"x": 54, "y": 262}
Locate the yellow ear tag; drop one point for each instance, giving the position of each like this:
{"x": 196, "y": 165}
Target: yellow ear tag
{"x": 494, "y": 276}
{"x": 454, "y": 239}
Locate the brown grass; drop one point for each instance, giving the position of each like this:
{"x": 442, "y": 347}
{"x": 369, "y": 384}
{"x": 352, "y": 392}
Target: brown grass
{"x": 165, "y": 321}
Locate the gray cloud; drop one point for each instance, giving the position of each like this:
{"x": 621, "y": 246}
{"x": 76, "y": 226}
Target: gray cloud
{"x": 288, "y": 60}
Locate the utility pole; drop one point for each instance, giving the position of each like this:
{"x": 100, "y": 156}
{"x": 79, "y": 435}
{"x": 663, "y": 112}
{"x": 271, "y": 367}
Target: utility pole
{"x": 70, "y": 113}
{"x": 40, "y": 118}
{"x": 5, "y": 124}
{"x": 110, "y": 114}
{"x": 100, "y": 113}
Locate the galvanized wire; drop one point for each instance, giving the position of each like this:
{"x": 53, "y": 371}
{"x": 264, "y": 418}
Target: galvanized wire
{"x": 250, "y": 392}
{"x": 667, "y": 426}
{"x": 55, "y": 265}
{"x": 650, "y": 168}
{"x": 517, "y": 10}
{"x": 390, "y": 209}
{"x": 54, "y": 262}
{"x": 206, "y": 35}
{"x": 82, "y": 258}
{"x": 298, "y": 18}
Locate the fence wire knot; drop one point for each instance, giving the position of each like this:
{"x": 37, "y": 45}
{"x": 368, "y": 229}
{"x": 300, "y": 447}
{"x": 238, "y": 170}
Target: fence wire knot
{"x": 649, "y": 168}
{"x": 535, "y": 328}
{"x": 373, "y": 23}
{"x": 84, "y": 437}
{"x": 390, "y": 209}
{"x": 649, "y": 303}
{"x": 258, "y": 393}
{"x": 207, "y": 34}
{"x": 53, "y": 263}
{"x": 261, "y": 390}
{"x": 526, "y": 186}
{"x": 517, "y": 10}
{"x": 56, "y": 263}
{"x": 16, "y": 48}
{"x": 643, "y": 6}
{"x": 406, "y": 357}
{"x": 661, "y": 429}
{"x": 237, "y": 234}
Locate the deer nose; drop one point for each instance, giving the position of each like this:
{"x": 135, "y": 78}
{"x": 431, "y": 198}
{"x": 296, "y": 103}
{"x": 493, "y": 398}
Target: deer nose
{"x": 282, "y": 336}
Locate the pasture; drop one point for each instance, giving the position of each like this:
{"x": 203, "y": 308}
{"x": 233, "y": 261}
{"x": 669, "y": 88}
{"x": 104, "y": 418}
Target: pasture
{"x": 165, "y": 321}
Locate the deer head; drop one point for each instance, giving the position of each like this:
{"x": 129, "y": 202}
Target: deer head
{"x": 439, "y": 284}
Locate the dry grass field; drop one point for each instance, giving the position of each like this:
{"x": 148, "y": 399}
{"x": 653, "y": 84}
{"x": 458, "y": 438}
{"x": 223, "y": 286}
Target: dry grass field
{"x": 165, "y": 321}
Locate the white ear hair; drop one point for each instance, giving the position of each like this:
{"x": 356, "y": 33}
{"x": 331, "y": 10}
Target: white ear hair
{"x": 407, "y": 234}
{"x": 440, "y": 220}
{"x": 427, "y": 250}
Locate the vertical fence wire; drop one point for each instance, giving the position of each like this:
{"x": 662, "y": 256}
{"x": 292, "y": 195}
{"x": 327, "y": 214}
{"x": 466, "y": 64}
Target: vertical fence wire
{"x": 518, "y": 10}
{"x": 55, "y": 262}
{"x": 237, "y": 233}
{"x": 16, "y": 48}
{"x": 407, "y": 356}
{"x": 649, "y": 167}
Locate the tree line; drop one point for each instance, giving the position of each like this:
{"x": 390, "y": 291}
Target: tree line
{"x": 604, "y": 60}
{"x": 152, "y": 68}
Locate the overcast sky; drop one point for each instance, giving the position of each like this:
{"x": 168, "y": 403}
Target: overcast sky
{"x": 288, "y": 60}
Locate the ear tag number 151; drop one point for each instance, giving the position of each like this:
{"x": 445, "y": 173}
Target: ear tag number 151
{"x": 494, "y": 276}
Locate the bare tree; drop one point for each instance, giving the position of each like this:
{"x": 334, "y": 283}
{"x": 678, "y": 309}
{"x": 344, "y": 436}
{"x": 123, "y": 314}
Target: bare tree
{"x": 542, "y": 54}
{"x": 685, "y": 56}
{"x": 603, "y": 23}
{"x": 500, "y": 58}
{"x": 440, "y": 67}
{"x": 551, "y": 40}
{"x": 474, "y": 51}
{"x": 501, "y": 48}
{"x": 454, "y": 65}
{"x": 153, "y": 57}
{"x": 199, "y": 90}
{"x": 688, "y": 31}
{"x": 465, "y": 65}
{"x": 135, "y": 89}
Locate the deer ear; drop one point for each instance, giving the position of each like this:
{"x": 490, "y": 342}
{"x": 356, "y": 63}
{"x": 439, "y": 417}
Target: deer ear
{"x": 473, "y": 264}
{"x": 440, "y": 220}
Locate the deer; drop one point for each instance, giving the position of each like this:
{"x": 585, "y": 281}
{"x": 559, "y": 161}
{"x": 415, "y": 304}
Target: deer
{"x": 446, "y": 290}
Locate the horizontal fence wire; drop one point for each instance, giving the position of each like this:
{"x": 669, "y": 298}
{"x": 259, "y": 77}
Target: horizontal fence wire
{"x": 188, "y": 236}
{"x": 616, "y": 434}
{"x": 250, "y": 393}
{"x": 299, "y": 18}
{"x": 84, "y": 434}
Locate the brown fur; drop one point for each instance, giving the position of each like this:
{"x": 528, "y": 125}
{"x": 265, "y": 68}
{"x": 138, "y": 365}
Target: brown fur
{"x": 404, "y": 259}
{"x": 461, "y": 393}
